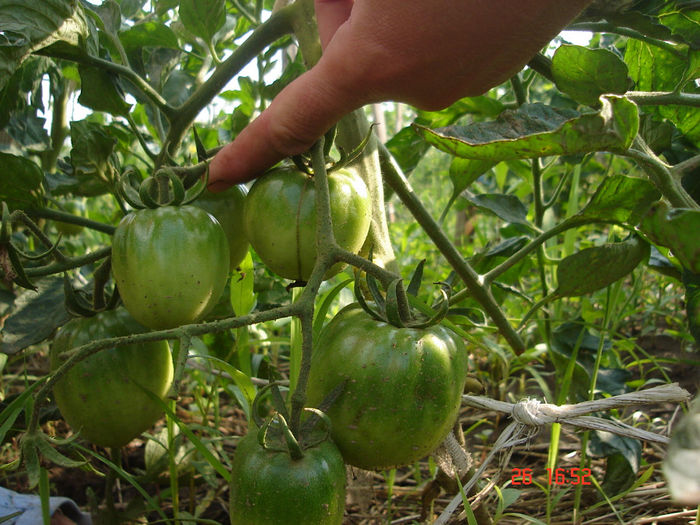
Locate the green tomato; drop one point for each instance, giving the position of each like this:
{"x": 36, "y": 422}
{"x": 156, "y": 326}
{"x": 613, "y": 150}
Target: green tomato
{"x": 227, "y": 208}
{"x": 103, "y": 396}
{"x": 270, "y": 488}
{"x": 402, "y": 392}
{"x": 170, "y": 264}
{"x": 280, "y": 219}
{"x": 76, "y": 207}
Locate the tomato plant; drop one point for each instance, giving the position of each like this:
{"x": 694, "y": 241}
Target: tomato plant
{"x": 227, "y": 208}
{"x": 280, "y": 219}
{"x": 270, "y": 486}
{"x": 402, "y": 387}
{"x": 170, "y": 264}
{"x": 102, "y": 396}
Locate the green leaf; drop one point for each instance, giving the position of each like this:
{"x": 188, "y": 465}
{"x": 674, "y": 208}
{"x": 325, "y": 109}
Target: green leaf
{"x": 620, "y": 199}
{"x": 684, "y": 21}
{"x": 507, "y": 207}
{"x": 623, "y": 456}
{"x": 595, "y": 268}
{"x": 35, "y": 316}
{"x": 20, "y": 181}
{"x": 31, "y": 25}
{"x": 585, "y": 74}
{"x": 243, "y": 297}
{"x": 677, "y": 229}
{"x": 656, "y": 69}
{"x": 148, "y": 34}
{"x": 91, "y": 156}
{"x": 99, "y": 91}
{"x": 538, "y": 130}
{"x": 408, "y": 148}
{"x": 691, "y": 281}
{"x": 203, "y": 18}
{"x": 463, "y": 172}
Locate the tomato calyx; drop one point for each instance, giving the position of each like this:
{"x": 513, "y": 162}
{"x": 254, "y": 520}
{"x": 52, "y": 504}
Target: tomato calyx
{"x": 274, "y": 432}
{"x": 163, "y": 188}
{"x": 395, "y": 305}
{"x": 304, "y": 163}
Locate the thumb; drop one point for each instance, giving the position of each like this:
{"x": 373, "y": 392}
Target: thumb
{"x": 301, "y": 113}
{"x": 330, "y": 15}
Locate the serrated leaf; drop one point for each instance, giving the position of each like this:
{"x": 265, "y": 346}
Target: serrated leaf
{"x": 594, "y": 268}
{"x": 585, "y": 74}
{"x": 99, "y": 91}
{"x": 32, "y": 25}
{"x": 538, "y": 130}
{"x": 507, "y": 207}
{"x": 20, "y": 181}
{"x": 35, "y": 316}
{"x": 677, "y": 229}
{"x": 620, "y": 199}
{"x": 203, "y": 18}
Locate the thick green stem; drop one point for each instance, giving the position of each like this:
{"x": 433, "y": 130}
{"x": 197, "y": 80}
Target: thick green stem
{"x": 62, "y": 216}
{"x": 69, "y": 263}
{"x": 661, "y": 175}
{"x": 474, "y": 283}
{"x": 325, "y": 245}
{"x": 663, "y": 98}
{"x": 277, "y": 26}
{"x": 606, "y": 27}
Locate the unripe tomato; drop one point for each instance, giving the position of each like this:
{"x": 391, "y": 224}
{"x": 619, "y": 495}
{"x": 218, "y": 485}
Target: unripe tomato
{"x": 270, "y": 488}
{"x": 227, "y": 208}
{"x": 402, "y": 392}
{"x": 280, "y": 219}
{"x": 76, "y": 207}
{"x": 170, "y": 264}
{"x": 102, "y": 396}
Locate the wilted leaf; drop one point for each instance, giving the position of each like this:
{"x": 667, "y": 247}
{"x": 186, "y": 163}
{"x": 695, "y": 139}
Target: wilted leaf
{"x": 585, "y": 74}
{"x": 538, "y": 130}
{"x": 35, "y": 316}
{"x": 594, "y": 268}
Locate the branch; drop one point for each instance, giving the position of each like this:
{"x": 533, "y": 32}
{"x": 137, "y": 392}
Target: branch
{"x": 606, "y": 27}
{"x": 474, "y": 283}
{"x": 661, "y": 175}
{"x": 663, "y": 98}
{"x": 277, "y": 26}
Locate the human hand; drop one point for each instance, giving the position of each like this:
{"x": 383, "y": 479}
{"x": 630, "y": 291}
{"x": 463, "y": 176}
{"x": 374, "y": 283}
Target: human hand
{"x": 428, "y": 54}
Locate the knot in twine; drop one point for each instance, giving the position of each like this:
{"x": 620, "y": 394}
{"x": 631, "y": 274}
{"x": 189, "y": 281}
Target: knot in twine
{"x": 530, "y": 414}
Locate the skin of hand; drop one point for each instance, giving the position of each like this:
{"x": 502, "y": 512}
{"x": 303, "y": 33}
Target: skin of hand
{"x": 425, "y": 53}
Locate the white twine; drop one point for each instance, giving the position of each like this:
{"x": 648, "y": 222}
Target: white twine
{"x": 530, "y": 414}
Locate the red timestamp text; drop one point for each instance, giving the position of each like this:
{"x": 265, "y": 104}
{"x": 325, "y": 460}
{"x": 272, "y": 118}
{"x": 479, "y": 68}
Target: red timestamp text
{"x": 557, "y": 476}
